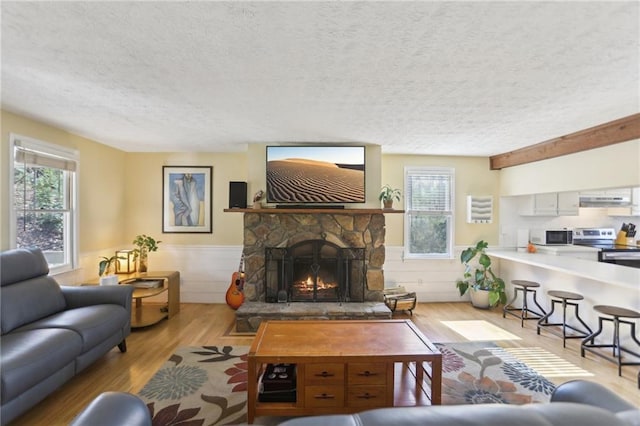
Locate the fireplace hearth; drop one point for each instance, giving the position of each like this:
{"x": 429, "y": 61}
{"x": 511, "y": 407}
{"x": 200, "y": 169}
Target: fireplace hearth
{"x": 314, "y": 271}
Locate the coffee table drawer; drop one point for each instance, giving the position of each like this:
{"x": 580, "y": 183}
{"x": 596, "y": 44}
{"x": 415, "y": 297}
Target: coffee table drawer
{"x": 326, "y": 373}
{"x": 324, "y": 396}
{"x": 366, "y": 396}
{"x": 370, "y": 373}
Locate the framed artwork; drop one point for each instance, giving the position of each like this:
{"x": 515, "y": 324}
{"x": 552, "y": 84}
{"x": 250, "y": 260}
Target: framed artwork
{"x": 186, "y": 199}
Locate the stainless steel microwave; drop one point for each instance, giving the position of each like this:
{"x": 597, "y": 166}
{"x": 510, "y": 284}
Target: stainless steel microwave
{"x": 549, "y": 237}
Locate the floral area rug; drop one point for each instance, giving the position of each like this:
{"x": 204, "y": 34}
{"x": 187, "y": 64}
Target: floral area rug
{"x": 204, "y": 385}
{"x": 207, "y": 385}
{"x": 484, "y": 373}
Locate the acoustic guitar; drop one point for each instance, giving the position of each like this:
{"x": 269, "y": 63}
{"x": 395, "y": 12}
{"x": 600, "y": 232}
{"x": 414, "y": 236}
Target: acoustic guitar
{"x": 235, "y": 296}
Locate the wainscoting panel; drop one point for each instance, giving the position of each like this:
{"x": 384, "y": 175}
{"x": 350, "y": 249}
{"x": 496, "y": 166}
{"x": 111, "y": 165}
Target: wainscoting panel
{"x": 206, "y": 271}
{"x": 433, "y": 280}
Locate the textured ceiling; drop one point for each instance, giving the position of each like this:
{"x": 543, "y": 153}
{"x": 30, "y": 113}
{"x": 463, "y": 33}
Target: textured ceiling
{"x": 445, "y": 78}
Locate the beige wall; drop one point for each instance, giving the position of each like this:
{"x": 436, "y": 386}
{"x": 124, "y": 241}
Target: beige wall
{"x": 102, "y": 182}
{"x": 472, "y": 177}
{"x": 144, "y": 196}
{"x": 614, "y": 166}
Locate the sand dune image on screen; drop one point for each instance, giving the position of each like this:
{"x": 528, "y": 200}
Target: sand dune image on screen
{"x": 298, "y": 180}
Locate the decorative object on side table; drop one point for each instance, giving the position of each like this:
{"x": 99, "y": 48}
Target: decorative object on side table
{"x": 388, "y": 195}
{"x": 257, "y": 199}
{"x": 144, "y": 244}
{"x": 485, "y": 288}
{"x": 106, "y": 270}
{"x": 126, "y": 261}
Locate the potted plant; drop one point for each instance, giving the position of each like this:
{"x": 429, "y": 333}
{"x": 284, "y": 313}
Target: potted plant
{"x": 144, "y": 244}
{"x": 479, "y": 279}
{"x": 106, "y": 270}
{"x": 388, "y": 195}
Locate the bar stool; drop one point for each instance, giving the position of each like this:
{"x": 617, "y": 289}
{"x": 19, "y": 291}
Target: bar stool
{"x": 588, "y": 344}
{"x": 561, "y": 297}
{"x": 524, "y": 313}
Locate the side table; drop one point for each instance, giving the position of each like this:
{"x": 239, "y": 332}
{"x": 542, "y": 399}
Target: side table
{"x": 145, "y": 314}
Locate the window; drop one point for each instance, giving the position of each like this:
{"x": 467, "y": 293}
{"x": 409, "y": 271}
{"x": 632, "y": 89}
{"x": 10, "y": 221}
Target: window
{"x": 43, "y": 197}
{"x": 429, "y": 212}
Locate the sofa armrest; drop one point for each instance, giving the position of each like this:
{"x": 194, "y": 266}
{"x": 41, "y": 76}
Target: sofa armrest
{"x": 114, "y": 408}
{"x": 79, "y": 296}
{"x": 590, "y": 393}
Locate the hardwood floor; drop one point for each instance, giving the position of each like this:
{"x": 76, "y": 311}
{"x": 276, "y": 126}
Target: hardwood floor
{"x": 206, "y": 324}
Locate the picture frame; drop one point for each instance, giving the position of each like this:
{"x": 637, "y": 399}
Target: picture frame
{"x": 184, "y": 187}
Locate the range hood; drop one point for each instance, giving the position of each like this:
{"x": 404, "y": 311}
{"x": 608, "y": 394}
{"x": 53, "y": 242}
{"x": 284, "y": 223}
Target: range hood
{"x": 588, "y": 200}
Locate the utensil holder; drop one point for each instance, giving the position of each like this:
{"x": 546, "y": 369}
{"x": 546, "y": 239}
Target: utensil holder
{"x": 621, "y": 238}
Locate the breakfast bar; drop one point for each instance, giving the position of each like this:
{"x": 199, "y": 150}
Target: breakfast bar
{"x": 600, "y": 283}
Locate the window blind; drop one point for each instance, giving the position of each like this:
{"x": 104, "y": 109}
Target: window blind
{"x": 26, "y": 155}
{"x": 429, "y": 189}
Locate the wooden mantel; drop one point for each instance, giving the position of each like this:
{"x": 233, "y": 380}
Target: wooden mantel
{"x": 313, "y": 211}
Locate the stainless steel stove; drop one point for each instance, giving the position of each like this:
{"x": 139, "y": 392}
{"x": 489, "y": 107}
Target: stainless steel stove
{"x": 604, "y": 239}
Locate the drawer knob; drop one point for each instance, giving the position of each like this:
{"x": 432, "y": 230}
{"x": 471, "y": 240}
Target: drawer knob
{"x": 367, "y": 373}
{"x": 324, "y": 396}
{"x": 325, "y": 374}
{"x": 366, "y": 395}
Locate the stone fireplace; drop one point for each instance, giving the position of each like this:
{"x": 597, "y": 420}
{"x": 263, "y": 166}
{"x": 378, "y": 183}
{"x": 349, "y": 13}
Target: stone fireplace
{"x": 279, "y": 229}
{"x": 319, "y": 264}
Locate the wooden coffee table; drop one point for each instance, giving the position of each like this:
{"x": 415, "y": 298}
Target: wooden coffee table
{"x": 346, "y": 366}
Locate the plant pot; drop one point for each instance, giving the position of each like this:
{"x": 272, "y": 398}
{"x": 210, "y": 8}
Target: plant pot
{"x": 143, "y": 259}
{"x": 479, "y": 298}
{"x": 109, "y": 280}
{"x": 388, "y": 204}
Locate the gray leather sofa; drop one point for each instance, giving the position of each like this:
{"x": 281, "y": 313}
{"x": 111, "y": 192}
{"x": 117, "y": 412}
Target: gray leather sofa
{"x": 577, "y": 402}
{"x": 50, "y": 332}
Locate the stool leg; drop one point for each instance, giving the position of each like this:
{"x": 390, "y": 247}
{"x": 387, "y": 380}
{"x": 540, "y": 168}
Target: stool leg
{"x": 564, "y": 323}
{"x": 535, "y": 300}
{"x": 633, "y": 334}
{"x": 616, "y": 343}
{"x": 582, "y": 322}
{"x": 508, "y": 305}
{"x": 590, "y": 338}
{"x": 545, "y": 319}
{"x": 523, "y": 312}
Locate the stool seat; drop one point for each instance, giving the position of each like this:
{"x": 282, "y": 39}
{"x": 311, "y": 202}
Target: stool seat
{"x": 525, "y": 283}
{"x": 616, "y": 311}
{"x": 565, "y": 295}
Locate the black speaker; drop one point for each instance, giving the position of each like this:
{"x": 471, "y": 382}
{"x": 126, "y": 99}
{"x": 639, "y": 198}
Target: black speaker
{"x": 237, "y": 195}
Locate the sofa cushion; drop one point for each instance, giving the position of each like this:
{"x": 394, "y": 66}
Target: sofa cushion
{"x": 27, "y": 293}
{"x": 22, "y": 264}
{"x": 29, "y": 357}
{"x": 27, "y": 301}
{"x": 94, "y": 323}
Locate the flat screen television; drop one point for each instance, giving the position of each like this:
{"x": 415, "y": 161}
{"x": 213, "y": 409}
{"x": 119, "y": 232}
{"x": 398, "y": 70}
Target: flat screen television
{"x": 319, "y": 174}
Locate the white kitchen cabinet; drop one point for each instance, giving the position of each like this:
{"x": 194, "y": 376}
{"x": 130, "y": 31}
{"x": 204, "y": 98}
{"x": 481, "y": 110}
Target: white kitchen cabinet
{"x": 568, "y": 203}
{"x": 632, "y": 210}
{"x": 549, "y": 204}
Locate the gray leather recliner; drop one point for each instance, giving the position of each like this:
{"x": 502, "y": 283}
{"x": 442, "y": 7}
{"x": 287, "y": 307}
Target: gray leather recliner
{"x": 50, "y": 332}
{"x": 576, "y": 402}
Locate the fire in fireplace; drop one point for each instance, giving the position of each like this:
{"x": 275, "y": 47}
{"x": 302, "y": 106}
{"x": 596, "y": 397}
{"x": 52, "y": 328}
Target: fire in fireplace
{"x": 314, "y": 271}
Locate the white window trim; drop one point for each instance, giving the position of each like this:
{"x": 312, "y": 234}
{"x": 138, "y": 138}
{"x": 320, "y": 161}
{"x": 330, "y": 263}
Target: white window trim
{"x": 406, "y": 253}
{"x": 57, "y": 150}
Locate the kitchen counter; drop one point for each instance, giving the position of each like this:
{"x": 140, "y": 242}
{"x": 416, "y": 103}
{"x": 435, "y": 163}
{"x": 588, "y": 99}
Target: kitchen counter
{"x": 593, "y": 270}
